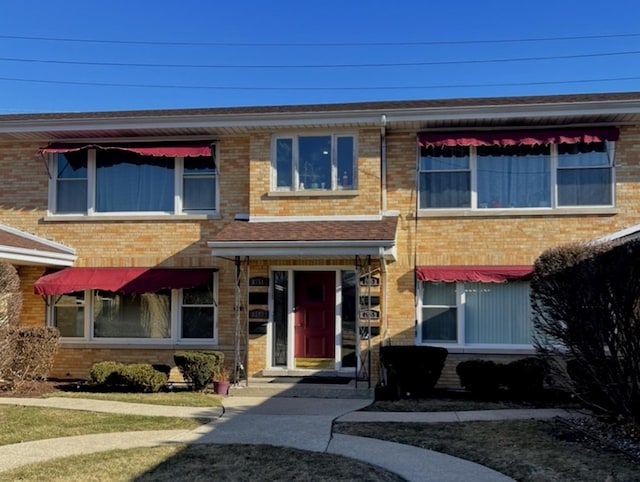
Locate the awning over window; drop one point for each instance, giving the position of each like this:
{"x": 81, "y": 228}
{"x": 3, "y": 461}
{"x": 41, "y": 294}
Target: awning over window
{"x": 200, "y": 149}
{"x": 513, "y": 138}
{"x": 121, "y": 280}
{"x": 482, "y": 274}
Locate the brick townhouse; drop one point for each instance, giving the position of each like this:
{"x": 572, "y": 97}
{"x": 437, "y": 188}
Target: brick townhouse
{"x": 298, "y": 239}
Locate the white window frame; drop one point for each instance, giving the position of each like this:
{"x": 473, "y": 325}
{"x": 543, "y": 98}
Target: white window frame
{"x": 295, "y": 175}
{"x": 460, "y": 343}
{"x": 91, "y": 192}
{"x": 176, "y": 323}
{"x": 553, "y": 184}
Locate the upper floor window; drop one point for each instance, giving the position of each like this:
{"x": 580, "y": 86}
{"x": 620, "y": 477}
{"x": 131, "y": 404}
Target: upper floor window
{"x": 325, "y": 162}
{"x": 468, "y": 173}
{"x": 96, "y": 181}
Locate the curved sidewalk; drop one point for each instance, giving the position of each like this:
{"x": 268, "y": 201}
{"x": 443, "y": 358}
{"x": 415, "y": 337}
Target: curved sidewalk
{"x": 303, "y": 423}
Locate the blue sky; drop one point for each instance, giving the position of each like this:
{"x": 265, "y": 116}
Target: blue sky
{"x": 191, "y": 53}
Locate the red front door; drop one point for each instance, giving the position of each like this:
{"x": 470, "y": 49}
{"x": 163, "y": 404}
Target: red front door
{"x": 315, "y": 314}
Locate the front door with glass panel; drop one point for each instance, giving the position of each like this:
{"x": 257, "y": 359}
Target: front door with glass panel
{"x": 314, "y": 319}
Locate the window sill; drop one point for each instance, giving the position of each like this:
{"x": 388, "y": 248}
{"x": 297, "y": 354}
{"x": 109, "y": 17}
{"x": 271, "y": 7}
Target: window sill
{"x": 314, "y": 193}
{"x": 139, "y": 344}
{"x": 73, "y": 218}
{"x": 484, "y": 349}
{"x": 493, "y": 213}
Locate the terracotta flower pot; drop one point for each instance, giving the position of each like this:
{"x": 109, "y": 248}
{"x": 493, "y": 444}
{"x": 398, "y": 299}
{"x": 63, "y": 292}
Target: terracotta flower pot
{"x": 221, "y": 388}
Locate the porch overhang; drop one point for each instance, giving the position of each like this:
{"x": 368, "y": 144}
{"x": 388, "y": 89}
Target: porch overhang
{"x": 337, "y": 238}
{"x": 305, "y": 249}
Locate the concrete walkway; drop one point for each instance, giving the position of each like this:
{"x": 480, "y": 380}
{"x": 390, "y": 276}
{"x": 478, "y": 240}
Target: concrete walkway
{"x": 303, "y": 423}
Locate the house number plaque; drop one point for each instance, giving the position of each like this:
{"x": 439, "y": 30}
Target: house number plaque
{"x": 259, "y": 281}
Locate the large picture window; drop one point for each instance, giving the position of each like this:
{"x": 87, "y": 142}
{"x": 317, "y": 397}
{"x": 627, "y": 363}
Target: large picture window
{"x": 97, "y": 181}
{"x": 516, "y": 176}
{"x": 473, "y": 313}
{"x": 103, "y": 315}
{"x": 325, "y": 162}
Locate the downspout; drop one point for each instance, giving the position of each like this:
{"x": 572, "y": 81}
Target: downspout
{"x": 383, "y": 163}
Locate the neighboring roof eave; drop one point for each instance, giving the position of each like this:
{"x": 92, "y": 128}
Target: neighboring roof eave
{"x": 330, "y": 114}
{"x": 36, "y": 254}
{"x": 302, "y": 250}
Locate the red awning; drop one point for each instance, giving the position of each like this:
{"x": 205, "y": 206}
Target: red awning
{"x": 201, "y": 149}
{"x": 483, "y": 274}
{"x": 121, "y": 280}
{"x": 513, "y": 138}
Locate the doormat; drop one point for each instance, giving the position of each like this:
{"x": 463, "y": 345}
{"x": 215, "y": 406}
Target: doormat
{"x": 313, "y": 380}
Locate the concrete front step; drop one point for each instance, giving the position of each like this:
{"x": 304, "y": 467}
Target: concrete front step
{"x": 265, "y": 387}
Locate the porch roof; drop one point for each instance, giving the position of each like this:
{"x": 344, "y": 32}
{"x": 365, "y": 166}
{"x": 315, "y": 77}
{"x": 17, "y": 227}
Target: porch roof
{"x": 307, "y": 238}
{"x": 22, "y": 248}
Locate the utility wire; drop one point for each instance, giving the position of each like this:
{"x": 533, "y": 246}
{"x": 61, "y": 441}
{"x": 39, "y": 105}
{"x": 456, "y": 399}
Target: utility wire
{"x": 321, "y": 44}
{"x": 315, "y": 88}
{"x": 319, "y": 66}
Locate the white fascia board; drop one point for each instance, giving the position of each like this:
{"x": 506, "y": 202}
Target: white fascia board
{"x": 303, "y": 244}
{"x": 35, "y": 257}
{"x": 37, "y": 239}
{"x": 283, "y": 251}
{"x": 618, "y": 234}
{"x": 280, "y": 219}
{"x": 292, "y": 119}
{"x": 515, "y": 111}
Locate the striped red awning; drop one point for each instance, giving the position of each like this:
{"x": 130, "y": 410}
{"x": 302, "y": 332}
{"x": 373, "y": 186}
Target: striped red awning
{"x": 200, "y": 149}
{"x": 121, "y": 280}
{"x": 482, "y": 274}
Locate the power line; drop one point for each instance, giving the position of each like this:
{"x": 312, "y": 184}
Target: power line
{"x": 316, "y": 88}
{"x": 319, "y": 66}
{"x": 320, "y": 44}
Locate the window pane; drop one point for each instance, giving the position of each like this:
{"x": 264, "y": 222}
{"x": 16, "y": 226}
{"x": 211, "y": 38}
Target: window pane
{"x": 584, "y": 187}
{"x": 439, "y": 294}
{"x": 72, "y": 165}
{"x": 127, "y": 181}
{"x": 71, "y": 185}
{"x": 444, "y": 158}
{"x": 280, "y": 317}
{"x": 498, "y": 313}
{"x": 132, "y": 316}
{"x": 582, "y": 154}
{"x": 314, "y": 161}
{"x": 71, "y": 196}
{"x": 345, "y": 162}
{"x": 445, "y": 190}
{"x": 68, "y": 315}
{"x": 439, "y": 324}
{"x": 200, "y": 295}
{"x": 513, "y": 176}
{"x": 199, "y": 193}
{"x": 199, "y": 165}
{"x": 197, "y": 322}
{"x": 349, "y": 305}
{"x": 284, "y": 162}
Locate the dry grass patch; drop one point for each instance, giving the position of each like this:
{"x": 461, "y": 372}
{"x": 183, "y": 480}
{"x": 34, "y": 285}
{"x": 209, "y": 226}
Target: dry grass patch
{"x": 176, "y": 399}
{"x": 23, "y": 424}
{"x": 526, "y": 450}
{"x": 202, "y": 463}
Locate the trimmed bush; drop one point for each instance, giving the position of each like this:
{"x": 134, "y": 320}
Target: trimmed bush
{"x": 482, "y": 377}
{"x": 106, "y": 373}
{"x": 139, "y": 377}
{"x": 198, "y": 367}
{"x": 143, "y": 377}
{"x": 524, "y": 377}
{"x": 412, "y": 371}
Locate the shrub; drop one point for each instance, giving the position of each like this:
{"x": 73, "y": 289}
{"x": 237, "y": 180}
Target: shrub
{"x": 412, "y": 371}
{"x": 482, "y": 377}
{"x": 140, "y": 377}
{"x": 587, "y": 322}
{"x": 10, "y": 295}
{"x": 143, "y": 377}
{"x": 198, "y": 367}
{"x": 105, "y": 373}
{"x": 524, "y": 377}
{"x": 29, "y": 355}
